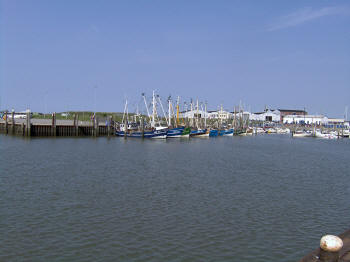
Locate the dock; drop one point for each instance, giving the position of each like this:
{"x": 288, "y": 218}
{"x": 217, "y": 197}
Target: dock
{"x": 32, "y": 127}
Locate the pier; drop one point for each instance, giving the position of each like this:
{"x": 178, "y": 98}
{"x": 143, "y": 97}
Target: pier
{"x": 32, "y": 127}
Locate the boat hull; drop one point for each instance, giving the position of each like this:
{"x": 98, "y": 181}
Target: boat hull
{"x": 228, "y": 132}
{"x": 147, "y": 134}
{"x": 199, "y": 133}
{"x": 175, "y": 132}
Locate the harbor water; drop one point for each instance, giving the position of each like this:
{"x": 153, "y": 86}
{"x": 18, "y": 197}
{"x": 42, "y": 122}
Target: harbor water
{"x": 259, "y": 198}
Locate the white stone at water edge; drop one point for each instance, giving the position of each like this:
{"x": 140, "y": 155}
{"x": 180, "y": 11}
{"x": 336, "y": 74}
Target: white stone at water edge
{"x": 331, "y": 243}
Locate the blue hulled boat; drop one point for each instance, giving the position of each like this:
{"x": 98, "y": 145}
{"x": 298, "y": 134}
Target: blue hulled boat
{"x": 213, "y": 133}
{"x": 199, "y": 133}
{"x": 175, "y": 132}
{"x": 228, "y": 132}
{"x": 158, "y": 133}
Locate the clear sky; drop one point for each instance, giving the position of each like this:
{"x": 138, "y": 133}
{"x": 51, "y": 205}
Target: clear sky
{"x": 55, "y": 55}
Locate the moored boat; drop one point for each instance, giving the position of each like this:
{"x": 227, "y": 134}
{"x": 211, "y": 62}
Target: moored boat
{"x": 301, "y": 134}
{"x": 200, "y": 133}
{"x": 228, "y": 132}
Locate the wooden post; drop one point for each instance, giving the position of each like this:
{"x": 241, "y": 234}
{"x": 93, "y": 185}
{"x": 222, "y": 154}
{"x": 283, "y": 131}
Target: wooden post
{"x": 93, "y": 125}
{"x": 142, "y": 127}
{"x": 109, "y": 125}
{"x": 125, "y": 127}
{"x": 96, "y": 126}
{"x": 53, "y": 124}
{"x": 6, "y": 122}
{"x": 23, "y": 129}
{"x": 76, "y": 125}
{"x": 329, "y": 248}
{"x": 28, "y": 124}
{"x": 13, "y": 122}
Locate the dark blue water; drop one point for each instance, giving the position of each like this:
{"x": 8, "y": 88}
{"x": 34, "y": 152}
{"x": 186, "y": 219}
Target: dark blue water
{"x": 263, "y": 198}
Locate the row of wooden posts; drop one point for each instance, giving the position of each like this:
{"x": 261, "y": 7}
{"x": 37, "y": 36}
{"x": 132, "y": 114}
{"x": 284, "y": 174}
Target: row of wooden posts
{"x": 29, "y": 129}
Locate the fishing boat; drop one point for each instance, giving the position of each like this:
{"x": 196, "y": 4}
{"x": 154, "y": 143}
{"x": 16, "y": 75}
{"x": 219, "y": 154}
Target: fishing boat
{"x": 142, "y": 130}
{"x": 330, "y": 135}
{"x": 213, "y": 133}
{"x": 228, "y": 132}
{"x": 302, "y": 134}
{"x": 282, "y": 130}
{"x": 144, "y": 134}
{"x": 186, "y": 132}
{"x": 175, "y": 132}
{"x": 200, "y": 133}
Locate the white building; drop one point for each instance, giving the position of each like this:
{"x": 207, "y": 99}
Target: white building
{"x": 194, "y": 114}
{"x": 220, "y": 114}
{"x": 266, "y": 116}
{"x": 245, "y": 115}
{"x": 306, "y": 119}
{"x": 338, "y": 122}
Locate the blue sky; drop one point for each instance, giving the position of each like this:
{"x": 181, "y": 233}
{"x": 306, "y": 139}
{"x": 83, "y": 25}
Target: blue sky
{"x": 55, "y": 55}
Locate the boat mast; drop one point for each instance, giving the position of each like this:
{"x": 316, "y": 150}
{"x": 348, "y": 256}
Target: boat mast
{"x": 197, "y": 114}
{"x": 144, "y": 99}
{"x": 124, "y": 114}
{"x": 153, "y": 122}
{"x": 192, "y": 118}
{"x": 161, "y": 105}
{"x": 205, "y": 114}
{"x": 169, "y": 110}
{"x": 234, "y": 118}
{"x": 177, "y": 111}
{"x": 221, "y": 116}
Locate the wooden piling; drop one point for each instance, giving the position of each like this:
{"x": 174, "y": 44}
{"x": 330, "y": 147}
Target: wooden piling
{"x": 13, "y": 122}
{"x": 109, "y": 120}
{"x": 142, "y": 127}
{"x": 53, "y": 125}
{"x": 76, "y": 125}
{"x": 6, "y": 122}
{"x": 125, "y": 127}
{"x": 96, "y": 126}
{"x": 28, "y": 123}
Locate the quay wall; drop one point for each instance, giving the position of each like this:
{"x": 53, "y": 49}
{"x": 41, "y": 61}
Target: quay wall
{"x": 48, "y": 127}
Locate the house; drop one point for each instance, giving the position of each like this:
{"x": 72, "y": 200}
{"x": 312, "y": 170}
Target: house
{"x": 266, "y": 116}
{"x": 337, "y": 123}
{"x": 305, "y": 119}
{"x": 219, "y": 114}
{"x": 194, "y": 114}
{"x": 287, "y": 112}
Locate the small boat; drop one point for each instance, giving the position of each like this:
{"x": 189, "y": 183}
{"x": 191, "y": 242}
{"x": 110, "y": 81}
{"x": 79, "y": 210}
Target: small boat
{"x": 249, "y": 132}
{"x": 282, "y": 130}
{"x": 200, "y": 133}
{"x": 186, "y": 132}
{"x": 213, "y": 132}
{"x": 228, "y": 132}
{"x": 302, "y": 134}
{"x": 175, "y": 132}
{"x": 216, "y": 132}
{"x": 160, "y": 132}
{"x": 259, "y": 130}
{"x": 271, "y": 131}
{"x": 319, "y": 134}
{"x": 179, "y": 132}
